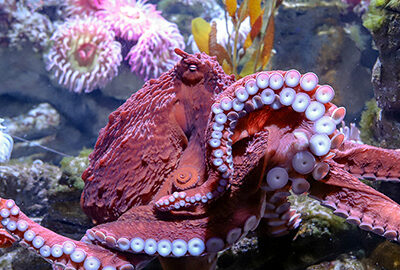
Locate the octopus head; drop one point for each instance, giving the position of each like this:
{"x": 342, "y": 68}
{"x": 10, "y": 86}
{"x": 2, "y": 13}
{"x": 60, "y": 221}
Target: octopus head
{"x": 196, "y": 69}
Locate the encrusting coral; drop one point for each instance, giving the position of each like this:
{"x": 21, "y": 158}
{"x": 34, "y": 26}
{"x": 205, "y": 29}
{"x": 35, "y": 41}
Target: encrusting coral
{"x": 25, "y": 24}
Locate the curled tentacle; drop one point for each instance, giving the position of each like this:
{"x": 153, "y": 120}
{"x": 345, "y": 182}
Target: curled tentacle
{"x": 278, "y": 217}
{"x": 185, "y": 177}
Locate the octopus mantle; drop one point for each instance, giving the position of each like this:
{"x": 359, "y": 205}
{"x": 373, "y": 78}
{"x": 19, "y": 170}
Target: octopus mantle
{"x": 195, "y": 160}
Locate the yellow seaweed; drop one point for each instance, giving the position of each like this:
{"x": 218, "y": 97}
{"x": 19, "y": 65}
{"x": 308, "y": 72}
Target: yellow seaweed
{"x": 231, "y": 6}
{"x": 255, "y": 52}
{"x": 254, "y": 7}
{"x": 201, "y": 32}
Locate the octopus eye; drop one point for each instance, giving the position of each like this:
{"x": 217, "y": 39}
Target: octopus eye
{"x": 192, "y": 68}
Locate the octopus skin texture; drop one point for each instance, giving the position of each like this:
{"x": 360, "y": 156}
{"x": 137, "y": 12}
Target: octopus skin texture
{"x": 195, "y": 160}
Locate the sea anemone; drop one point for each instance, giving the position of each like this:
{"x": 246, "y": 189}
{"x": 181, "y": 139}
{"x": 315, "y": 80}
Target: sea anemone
{"x": 129, "y": 19}
{"x": 82, "y": 7}
{"x": 84, "y": 55}
{"x": 6, "y": 144}
{"x": 154, "y": 51}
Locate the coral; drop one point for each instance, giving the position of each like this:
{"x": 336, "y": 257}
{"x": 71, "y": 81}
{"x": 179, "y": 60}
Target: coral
{"x": 353, "y": 30}
{"x": 129, "y": 18}
{"x": 84, "y": 55}
{"x": 154, "y": 51}
{"x": 36, "y": 121}
{"x": 28, "y": 25}
{"x": 6, "y": 144}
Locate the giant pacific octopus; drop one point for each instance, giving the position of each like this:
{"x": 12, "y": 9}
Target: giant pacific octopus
{"x": 193, "y": 161}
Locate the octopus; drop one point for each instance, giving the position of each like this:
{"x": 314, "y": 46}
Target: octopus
{"x": 195, "y": 160}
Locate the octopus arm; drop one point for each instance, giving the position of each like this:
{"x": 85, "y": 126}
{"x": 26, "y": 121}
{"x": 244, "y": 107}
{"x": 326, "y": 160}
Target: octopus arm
{"x": 369, "y": 162}
{"x": 358, "y": 203}
{"x": 55, "y": 248}
{"x": 6, "y": 239}
{"x": 145, "y": 231}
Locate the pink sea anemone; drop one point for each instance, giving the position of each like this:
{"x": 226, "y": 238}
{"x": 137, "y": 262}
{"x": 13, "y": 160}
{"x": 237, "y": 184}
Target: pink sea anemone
{"x": 154, "y": 51}
{"x": 128, "y": 18}
{"x": 84, "y": 55}
{"x": 82, "y": 7}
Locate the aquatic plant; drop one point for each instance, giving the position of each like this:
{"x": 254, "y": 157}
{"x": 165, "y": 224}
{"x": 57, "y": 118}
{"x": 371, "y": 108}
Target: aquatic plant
{"x": 368, "y": 118}
{"x": 84, "y": 55}
{"x": 6, "y": 144}
{"x": 73, "y": 167}
{"x": 225, "y": 29}
{"x": 375, "y": 16}
{"x": 239, "y": 58}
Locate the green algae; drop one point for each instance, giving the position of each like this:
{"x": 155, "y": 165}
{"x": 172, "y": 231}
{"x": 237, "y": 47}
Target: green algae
{"x": 318, "y": 220}
{"x": 375, "y": 17}
{"x": 73, "y": 167}
{"x": 368, "y": 118}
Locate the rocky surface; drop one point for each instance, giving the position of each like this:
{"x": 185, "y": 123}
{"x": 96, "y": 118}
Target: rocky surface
{"x": 321, "y": 236}
{"x": 345, "y": 262}
{"x": 42, "y": 191}
{"x": 383, "y": 20}
{"x": 27, "y": 84}
{"x": 323, "y": 37}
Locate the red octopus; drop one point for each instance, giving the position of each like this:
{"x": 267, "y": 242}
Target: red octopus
{"x": 194, "y": 160}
